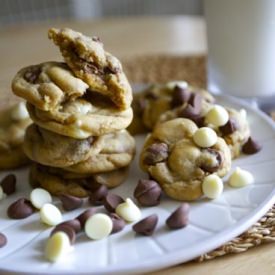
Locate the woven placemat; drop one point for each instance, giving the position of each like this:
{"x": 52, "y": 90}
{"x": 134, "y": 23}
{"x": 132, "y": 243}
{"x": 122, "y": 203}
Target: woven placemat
{"x": 162, "y": 68}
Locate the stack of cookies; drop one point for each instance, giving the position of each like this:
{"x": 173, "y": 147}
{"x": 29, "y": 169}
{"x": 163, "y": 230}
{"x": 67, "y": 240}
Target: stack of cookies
{"x": 80, "y": 110}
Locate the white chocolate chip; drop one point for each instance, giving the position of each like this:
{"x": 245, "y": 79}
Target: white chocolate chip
{"x": 79, "y": 107}
{"x": 19, "y": 111}
{"x": 240, "y": 178}
{"x": 78, "y": 123}
{"x": 212, "y": 186}
{"x": 243, "y": 114}
{"x": 205, "y": 137}
{"x": 50, "y": 214}
{"x": 98, "y": 226}
{"x": 172, "y": 84}
{"x": 57, "y": 246}
{"x": 128, "y": 211}
{"x": 39, "y": 197}
{"x": 217, "y": 116}
{"x": 2, "y": 194}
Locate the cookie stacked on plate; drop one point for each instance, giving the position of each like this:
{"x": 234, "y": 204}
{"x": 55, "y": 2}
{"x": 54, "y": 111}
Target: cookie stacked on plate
{"x": 80, "y": 110}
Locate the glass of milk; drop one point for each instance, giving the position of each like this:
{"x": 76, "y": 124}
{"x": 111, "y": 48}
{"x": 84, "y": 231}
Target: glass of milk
{"x": 241, "y": 47}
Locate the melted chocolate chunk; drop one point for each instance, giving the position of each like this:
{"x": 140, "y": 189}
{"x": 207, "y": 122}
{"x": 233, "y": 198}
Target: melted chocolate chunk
{"x": 199, "y": 120}
{"x": 193, "y": 108}
{"x": 219, "y": 159}
{"x": 251, "y": 147}
{"x": 189, "y": 112}
{"x": 110, "y": 70}
{"x": 155, "y": 153}
{"x": 91, "y": 68}
{"x": 32, "y": 74}
{"x": 180, "y": 96}
{"x": 195, "y": 100}
{"x": 230, "y": 127}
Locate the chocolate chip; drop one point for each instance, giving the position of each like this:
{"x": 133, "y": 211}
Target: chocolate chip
{"x": 70, "y": 202}
{"x": 111, "y": 70}
{"x": 83, "y": 217}
{"x": 146, "y": 226}
{"x": 213, "y": 153}
{"x": 155, "y": 153}
{"x": 251, "y": 147}
{"x": 180, "y": 96}
{"x": 91, "y": 68}
{"x": 199, "y": 120}
{"x": 230, "y": 127}
{"x": 147, "y": 193}
{"x": 111, "y": 201}
{"x": 97, "y": 196}
{"x": 195, "y": 100}
{"x": 118, "y": 223}
{"x": 32, "y": 74}
{"x": 66, "y": 229}
{"x": 179, "y": 218}
{"x": 75, "y": 224}
{"x": 20, "y": 209}
{"x": 8, "y": 184}
{"x": 3, "y": 240}
{"x": 189, "y": 112}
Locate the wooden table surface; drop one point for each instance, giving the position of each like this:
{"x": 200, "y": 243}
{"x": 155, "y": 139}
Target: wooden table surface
{"x": 126, "y": 37}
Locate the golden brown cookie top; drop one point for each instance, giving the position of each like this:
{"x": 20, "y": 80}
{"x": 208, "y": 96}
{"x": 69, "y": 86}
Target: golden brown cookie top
{"x": 47, "y": 85}
{"x": 162, "y": 102}
{"x": 172, "y": 158}
{"x": 90, "y": 62}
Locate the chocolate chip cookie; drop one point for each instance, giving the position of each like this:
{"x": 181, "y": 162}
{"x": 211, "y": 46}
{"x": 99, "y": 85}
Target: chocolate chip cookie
{"x": 90, "y": 62}
{"x": 92, "y": 155}
{"x": 236, "y": 131}
{"x": 13, "y": 123}
{"x": 172, "y": 158}
{"x": 58, "y": 181}
{"x": 47, "y": 85}
{"x": 179, "y": 98}
{"x": 91, "y": 115}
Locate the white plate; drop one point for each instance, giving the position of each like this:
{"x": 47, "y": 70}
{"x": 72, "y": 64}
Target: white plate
{"x": 212, "y": 223}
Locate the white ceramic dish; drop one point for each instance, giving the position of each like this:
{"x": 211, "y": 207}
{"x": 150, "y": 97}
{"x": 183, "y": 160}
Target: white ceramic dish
{"x": 212, "y": 223}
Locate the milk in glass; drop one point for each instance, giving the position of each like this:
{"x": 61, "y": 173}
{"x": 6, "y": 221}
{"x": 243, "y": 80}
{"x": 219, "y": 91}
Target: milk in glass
{"x": 241, "y": 46}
